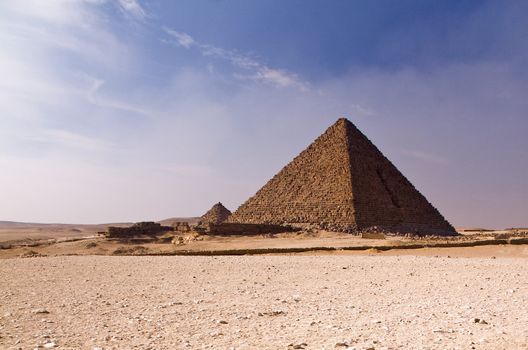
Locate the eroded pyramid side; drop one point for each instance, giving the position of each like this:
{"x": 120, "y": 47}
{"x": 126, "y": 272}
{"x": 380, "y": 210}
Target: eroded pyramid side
{"x": 383, "y": 197}
{"x": 314, "y": 188}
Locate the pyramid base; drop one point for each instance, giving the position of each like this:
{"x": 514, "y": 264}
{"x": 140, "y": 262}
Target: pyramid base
{"x": 413, "y": 230}
{"x": 398, "y": 230}
{"x": 233, "y": 229}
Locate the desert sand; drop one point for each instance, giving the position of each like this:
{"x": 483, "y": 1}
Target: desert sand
{"x": 265, "y": 302}
{"x": 65, "y": 287}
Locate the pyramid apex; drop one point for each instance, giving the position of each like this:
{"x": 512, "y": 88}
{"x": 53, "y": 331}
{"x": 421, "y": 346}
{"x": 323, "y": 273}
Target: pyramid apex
{"x": 342, "y": 121}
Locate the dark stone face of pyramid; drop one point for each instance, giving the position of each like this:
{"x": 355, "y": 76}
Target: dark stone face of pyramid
{"x": 343, "y": 182}
{"x": 216, "y": 215}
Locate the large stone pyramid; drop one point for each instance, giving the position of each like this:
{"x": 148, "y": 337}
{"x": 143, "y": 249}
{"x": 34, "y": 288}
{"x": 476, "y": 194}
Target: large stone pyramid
{"x": 216, "y": 215}
{"x": 343, "y": 182}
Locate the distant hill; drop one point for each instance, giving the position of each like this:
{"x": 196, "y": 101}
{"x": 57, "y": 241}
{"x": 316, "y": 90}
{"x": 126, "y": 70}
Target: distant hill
{"x": 33, "y": 225}
{"x": 7, "y": 224}
{"x": 16, "y": 231}
{"x": 15, "y": 224}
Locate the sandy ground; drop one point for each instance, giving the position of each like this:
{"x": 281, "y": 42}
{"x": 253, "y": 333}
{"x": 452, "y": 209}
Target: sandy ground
{"x": 264, "y": 302}
{"x": 101, "y": 246}
{"x": 23, "y": 239}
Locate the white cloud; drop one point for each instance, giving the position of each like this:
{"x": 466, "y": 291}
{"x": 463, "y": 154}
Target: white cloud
{"x": 44, "y": 102}
{"x": 254, "y": 70}
{"x": 133, "y": 8}
{"x": 182, "y": 39}
{"x": 278, "y": 77}
{"x": 92, "y": 95}
{"x": 55, "y": 11}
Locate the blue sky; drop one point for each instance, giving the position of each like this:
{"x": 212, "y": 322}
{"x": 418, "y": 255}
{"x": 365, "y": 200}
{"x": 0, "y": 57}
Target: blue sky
{"x": 125, "y": 110}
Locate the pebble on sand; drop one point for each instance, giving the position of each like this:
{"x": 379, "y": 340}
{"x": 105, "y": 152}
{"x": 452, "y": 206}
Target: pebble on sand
{"x": 40, "y": 311}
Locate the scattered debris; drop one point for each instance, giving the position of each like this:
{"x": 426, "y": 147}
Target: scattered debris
{"x": 342, "y": 345}
{"x": 90, "y": 245}
{"x": 479, "y": 320}
{"x": 135, "y": 250}
{"x": 372, "y": 235}
{"x": 40, "y": 311}
{"x": 31, "y": 254}
{"x": 178, "y": 240}
{"x": 272, "y": 313}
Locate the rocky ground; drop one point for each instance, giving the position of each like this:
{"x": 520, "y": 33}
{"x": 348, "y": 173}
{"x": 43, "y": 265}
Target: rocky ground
{"x": 486, "y": 244}
{"x": 264, "y": 302}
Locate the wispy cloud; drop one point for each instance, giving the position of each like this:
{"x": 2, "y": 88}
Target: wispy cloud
{"x": 426, "y": 157}
{"x": 43, "y": 101}
{"x": 69, "y": 139}
{"x": 57, "y": 11}
{"x": 362, "y": 110}
{"x": 253, "y": 69}
{"x": 92, "y": 95}
{"x": 133, "y": 8}
{"x": 182, "y": 39}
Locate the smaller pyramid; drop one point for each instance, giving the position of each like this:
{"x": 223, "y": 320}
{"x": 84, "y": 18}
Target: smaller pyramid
{"x": 216, "y": 215}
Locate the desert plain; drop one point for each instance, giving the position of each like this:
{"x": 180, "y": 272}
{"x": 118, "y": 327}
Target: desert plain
{"x": 68, "y": 288}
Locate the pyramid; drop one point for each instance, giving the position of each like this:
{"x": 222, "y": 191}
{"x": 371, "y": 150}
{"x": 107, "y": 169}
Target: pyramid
{"x": 216, "y": 215}
{"x": 342, "y": 182}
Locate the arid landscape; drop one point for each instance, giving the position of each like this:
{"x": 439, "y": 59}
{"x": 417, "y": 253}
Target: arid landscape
{"x": 68, "y": 287}
{"x": 328, "y": 254}
{"x": 263, "y": 174}
{"x": 366, "y": 300}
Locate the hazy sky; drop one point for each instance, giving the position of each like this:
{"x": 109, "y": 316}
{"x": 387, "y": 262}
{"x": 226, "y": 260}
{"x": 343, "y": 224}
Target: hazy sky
{"x": 126, "y": 110}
